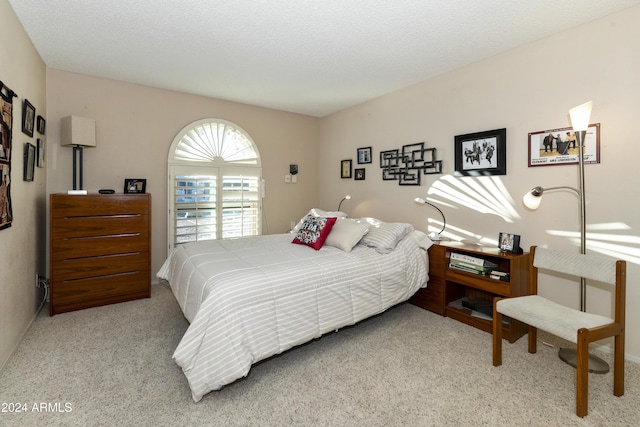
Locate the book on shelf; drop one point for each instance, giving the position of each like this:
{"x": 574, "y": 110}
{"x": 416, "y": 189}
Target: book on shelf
{"x": 500, "y": 275}
{"x": 505, "y": 277}
{"x": 466, "y": 259}
{"x": 471, "y": 268}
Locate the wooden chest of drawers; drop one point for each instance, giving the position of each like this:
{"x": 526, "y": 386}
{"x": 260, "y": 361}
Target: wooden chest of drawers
{"x": 100, "y": 250}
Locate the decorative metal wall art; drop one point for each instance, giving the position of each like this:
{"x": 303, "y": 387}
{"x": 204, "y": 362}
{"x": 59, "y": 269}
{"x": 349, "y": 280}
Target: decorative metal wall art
{"x": 408, "y": 164}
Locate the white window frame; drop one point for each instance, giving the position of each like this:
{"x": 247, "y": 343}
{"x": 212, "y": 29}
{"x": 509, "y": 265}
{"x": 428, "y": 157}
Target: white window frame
{"x": 210, "y": 164}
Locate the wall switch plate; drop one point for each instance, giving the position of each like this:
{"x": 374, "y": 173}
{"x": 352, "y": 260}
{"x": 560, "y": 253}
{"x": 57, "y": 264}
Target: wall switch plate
{"x": 287, "y": 179}
{"x": 294, "y": 179}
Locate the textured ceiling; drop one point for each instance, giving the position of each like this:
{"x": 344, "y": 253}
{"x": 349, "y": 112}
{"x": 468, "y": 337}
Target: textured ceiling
{"x": 312, "y": 57}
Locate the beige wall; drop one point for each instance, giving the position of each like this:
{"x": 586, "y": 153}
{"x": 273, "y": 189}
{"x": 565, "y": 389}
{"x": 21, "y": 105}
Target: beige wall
{"x": 22, "y": 245}
{"x": 136, "y": 125}
{"x": 525, "y": 90}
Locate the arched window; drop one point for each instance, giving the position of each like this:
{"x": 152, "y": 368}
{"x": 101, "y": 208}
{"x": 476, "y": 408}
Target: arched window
{"x": 215, "y": 183}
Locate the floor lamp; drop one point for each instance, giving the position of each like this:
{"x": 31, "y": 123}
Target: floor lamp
{"x": 580, "y": 121}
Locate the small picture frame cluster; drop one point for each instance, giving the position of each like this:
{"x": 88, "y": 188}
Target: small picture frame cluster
{"x": 134, "y": 186}
{"x": 508, "y": 242}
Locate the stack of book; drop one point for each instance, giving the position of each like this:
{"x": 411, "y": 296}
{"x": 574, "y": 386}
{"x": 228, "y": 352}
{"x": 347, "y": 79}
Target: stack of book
{"x": 471, "y": 264}
{"x": 500, "y": 275}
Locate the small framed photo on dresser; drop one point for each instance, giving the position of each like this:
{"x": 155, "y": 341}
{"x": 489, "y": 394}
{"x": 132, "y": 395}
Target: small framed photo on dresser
{"x": 135, "y": 186}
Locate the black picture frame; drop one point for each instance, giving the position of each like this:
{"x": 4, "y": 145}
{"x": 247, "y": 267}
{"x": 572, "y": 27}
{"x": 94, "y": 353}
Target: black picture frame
{"x": 555, "y": 147}
{"x": 481, "y": 153}
{"x": 345, "y": 168}
{"x": 41, "y": 125}
{"x": 508, "y": 242}
{"x": 29, "y": 162}
{"x": 364, "y": 155}
{"x": 40, "y": 153}
{"x": 359, "y": 174}
{"x": 28, "y": 117}
{"x": 135, "y": 186}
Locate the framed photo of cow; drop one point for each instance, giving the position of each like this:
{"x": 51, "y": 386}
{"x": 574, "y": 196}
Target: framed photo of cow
{"x": 481, "y": 153}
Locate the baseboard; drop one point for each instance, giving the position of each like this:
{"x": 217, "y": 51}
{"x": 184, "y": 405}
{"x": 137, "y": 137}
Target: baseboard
{"x": 607, "y": 349}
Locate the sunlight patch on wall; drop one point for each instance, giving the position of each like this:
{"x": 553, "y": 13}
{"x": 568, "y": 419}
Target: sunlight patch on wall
{"x": 457, "y": 234}
{"x": 619, "y": 246}
{"x": 485, "y": 194}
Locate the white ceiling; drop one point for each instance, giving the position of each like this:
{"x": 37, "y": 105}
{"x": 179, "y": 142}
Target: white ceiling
{"x": 312, "y": 57}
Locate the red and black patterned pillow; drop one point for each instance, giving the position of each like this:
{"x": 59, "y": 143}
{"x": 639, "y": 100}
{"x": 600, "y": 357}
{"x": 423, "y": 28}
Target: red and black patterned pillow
{"x": 314, "y": 231}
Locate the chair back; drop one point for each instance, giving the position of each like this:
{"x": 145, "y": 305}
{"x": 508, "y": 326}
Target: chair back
{"x": 581, "y": 265}
{"x": 594, "y": 267}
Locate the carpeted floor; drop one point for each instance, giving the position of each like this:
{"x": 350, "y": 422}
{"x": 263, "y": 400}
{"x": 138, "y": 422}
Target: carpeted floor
{"x": 407, "y": 367}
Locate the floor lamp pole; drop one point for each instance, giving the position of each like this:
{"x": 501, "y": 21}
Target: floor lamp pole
{"x": 568, "y": 355}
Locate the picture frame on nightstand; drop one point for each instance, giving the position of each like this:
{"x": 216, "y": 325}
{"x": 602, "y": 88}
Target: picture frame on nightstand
{"x": 508, "y": 242}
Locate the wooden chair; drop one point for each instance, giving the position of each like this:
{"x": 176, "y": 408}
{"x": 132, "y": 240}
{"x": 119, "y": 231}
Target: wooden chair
{"x": 573, "y": 325}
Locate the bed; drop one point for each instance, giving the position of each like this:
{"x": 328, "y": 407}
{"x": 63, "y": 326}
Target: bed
{"x": 251, "y": 298}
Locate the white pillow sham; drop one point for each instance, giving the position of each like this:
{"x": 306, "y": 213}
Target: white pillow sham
{"x": 384, "y": 237}
{"x": 318, "y": 212}
{"x": 346, "y": 233}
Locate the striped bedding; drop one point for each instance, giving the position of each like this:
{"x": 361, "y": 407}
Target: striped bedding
{"x": 251, "y": 298}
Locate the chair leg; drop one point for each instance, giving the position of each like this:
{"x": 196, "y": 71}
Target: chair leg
{"x": 533, "y": 339}
{"x": 497, "y": 335}
{"x": 618, "y": 365}
{"x": 582, "y": 371}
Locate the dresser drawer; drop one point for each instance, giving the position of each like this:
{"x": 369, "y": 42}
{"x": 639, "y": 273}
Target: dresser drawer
{"x": 108, "y": 265}
{"x": 99, "y": 205}
{"x": 83, "y": 247}
{"x": 91, "y": 292}
{"x": 70, "y": 227}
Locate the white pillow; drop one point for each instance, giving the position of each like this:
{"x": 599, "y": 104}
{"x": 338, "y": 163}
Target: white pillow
{"x": 318, "y": 212}
{"x": 385, "y": 236}
{"x": 346, "y": 233}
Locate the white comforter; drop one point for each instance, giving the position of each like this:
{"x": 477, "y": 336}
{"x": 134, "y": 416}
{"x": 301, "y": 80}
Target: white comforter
{"x": 251, "y": 298}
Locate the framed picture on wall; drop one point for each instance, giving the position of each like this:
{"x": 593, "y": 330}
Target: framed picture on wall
{"x": 555, "y": 147}
{"x": 345, "y": 168}
{"x": 359, "y": 174}
{"x": 481, "y": 153}
{"x": 364, "y": 155}
{"x": 42, "y": 124}
{"x": 29, "y": 162}
{"x": 40, "y": 153}
{"x": 28, "y": 117}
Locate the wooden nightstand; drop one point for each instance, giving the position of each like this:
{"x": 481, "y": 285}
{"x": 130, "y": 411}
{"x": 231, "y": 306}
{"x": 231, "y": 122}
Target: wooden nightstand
{"x": 447, "y": 287}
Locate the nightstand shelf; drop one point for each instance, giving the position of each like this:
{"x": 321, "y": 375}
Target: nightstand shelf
{"x": 447, "y": 286}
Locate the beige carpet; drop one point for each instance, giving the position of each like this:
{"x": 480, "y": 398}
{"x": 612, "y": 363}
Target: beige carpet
{"x": 407, "y": 367}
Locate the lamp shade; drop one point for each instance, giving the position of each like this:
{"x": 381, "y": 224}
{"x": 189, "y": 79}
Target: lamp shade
{"x": 78, "y": 131}
{"x": 531, "y": 200}
{"x": 580, "y": 116}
